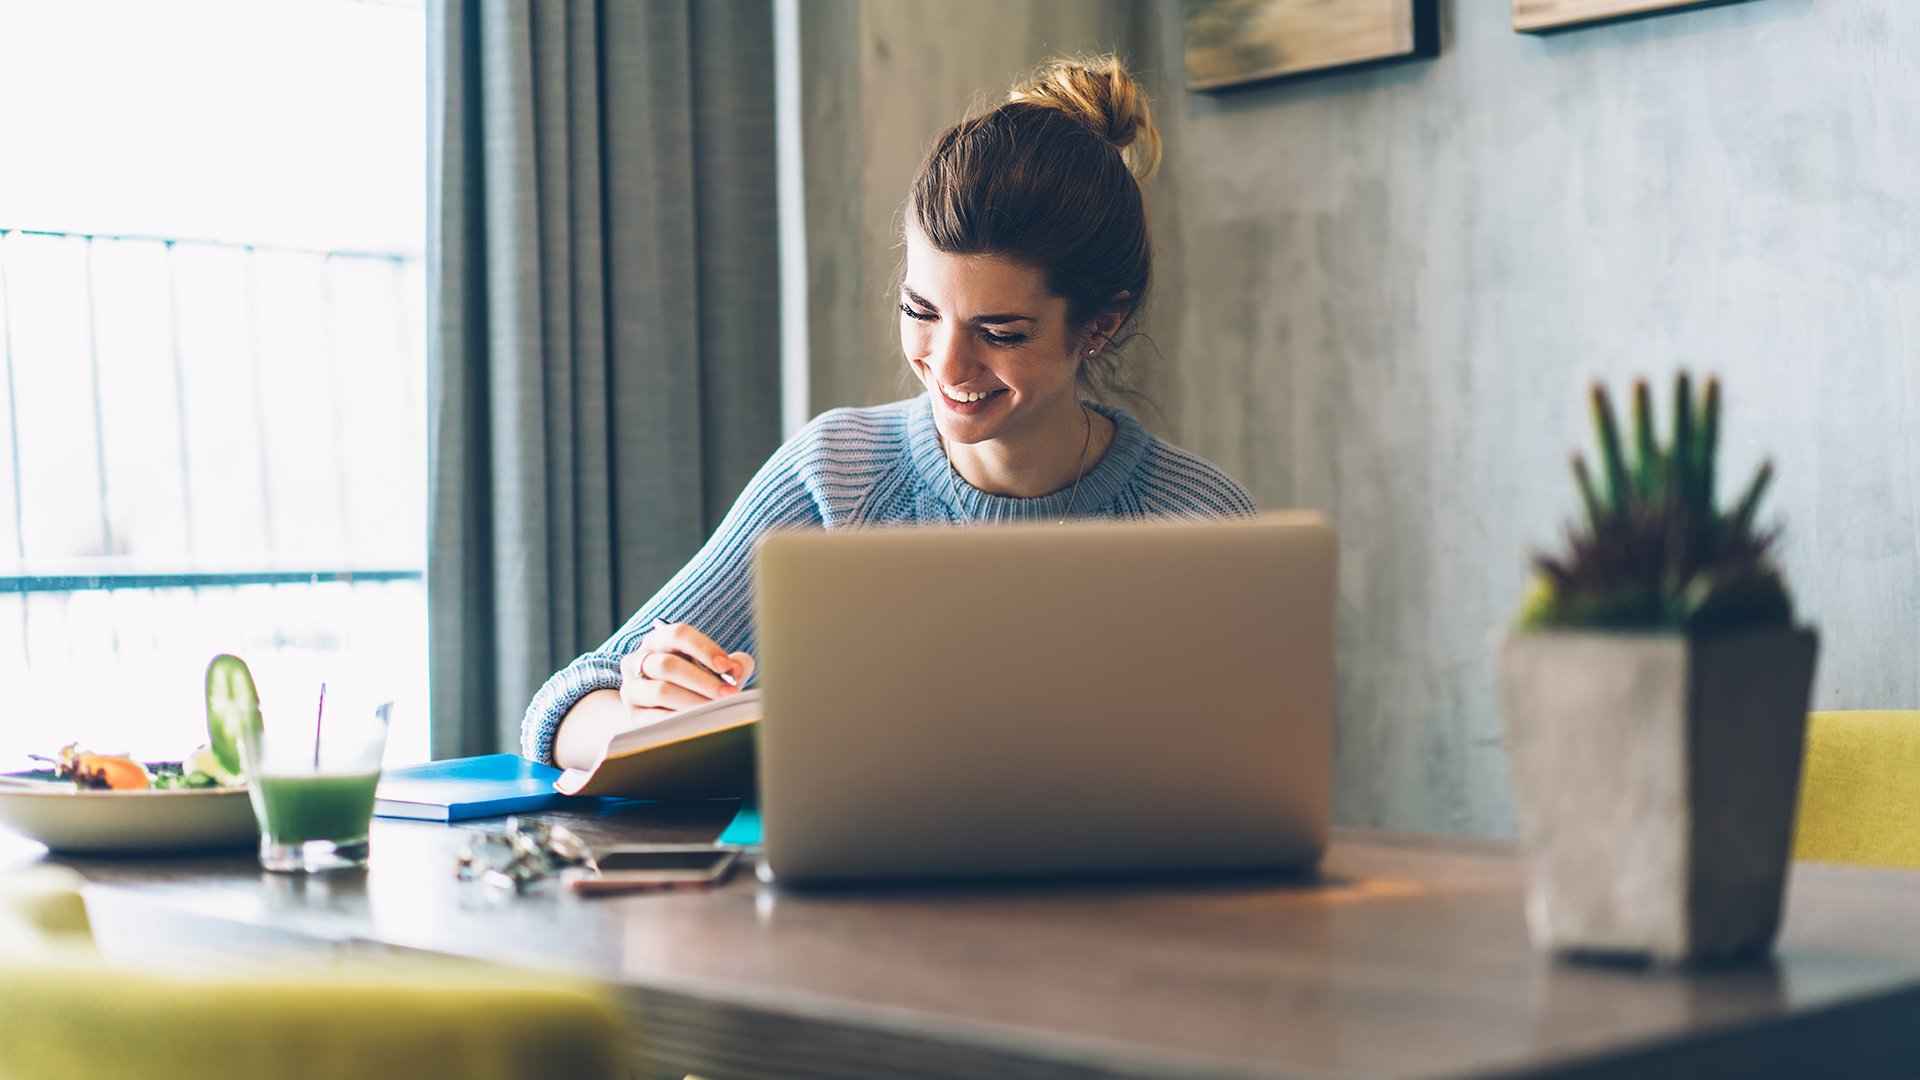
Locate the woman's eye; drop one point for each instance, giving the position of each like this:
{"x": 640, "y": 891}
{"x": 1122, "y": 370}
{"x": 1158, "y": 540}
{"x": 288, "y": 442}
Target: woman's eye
{"x": 1005, "y": 341}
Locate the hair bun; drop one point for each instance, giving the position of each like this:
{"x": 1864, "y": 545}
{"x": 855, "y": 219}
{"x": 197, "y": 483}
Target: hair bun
{"x": 1098, "y": 92}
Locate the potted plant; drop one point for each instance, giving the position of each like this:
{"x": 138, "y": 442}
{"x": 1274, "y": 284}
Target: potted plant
{"x": 1655, "y": 693}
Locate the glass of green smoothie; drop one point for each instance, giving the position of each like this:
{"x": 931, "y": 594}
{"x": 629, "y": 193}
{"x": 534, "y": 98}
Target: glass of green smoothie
{"x": 311, "y": 774}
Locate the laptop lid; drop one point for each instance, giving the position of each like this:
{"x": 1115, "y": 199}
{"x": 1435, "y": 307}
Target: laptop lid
{"x": 1041, "y": 699}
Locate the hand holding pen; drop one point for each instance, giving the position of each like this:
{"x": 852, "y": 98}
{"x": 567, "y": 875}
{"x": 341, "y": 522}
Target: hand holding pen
{"x": 677, "y": 666}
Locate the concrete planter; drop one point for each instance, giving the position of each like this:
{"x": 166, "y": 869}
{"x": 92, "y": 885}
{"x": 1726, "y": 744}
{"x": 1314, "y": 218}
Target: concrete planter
{"x": 1655, "y": 779}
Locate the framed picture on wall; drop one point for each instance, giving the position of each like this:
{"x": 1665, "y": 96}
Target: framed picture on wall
{"x": 1545, "y": 16}
{"x": 1235, "y": 42}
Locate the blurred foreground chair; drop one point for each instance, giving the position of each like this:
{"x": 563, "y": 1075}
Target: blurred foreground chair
{"x": 66, "y": 1013}
{"x": 1860, "y": 789}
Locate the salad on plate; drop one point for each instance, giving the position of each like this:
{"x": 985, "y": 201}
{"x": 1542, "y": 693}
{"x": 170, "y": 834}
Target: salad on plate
{"x": 233, "y": 708}
{"x": 85, "y": 801}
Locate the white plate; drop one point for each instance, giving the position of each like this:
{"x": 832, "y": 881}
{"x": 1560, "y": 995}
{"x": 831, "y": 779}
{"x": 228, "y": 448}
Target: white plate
{"x": 66, "y": 818}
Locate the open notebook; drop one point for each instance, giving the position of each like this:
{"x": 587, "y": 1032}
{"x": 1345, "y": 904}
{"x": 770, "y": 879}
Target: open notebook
{"x": 698, "y": 753}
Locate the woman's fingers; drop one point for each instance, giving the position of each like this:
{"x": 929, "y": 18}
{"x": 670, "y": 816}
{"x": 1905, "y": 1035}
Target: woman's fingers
{"x": 677, "y": 669}
{"x": 689, "y": 642}
{"x": 681, "y": 638}
{"x": 743, "y": 667}
{"x": 649, "y": 691}
{"x": 651, "y": 679}
{"x": 630, "y": 665}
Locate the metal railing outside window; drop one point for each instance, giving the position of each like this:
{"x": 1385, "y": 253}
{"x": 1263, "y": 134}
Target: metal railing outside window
{"x": 206, "y": 447}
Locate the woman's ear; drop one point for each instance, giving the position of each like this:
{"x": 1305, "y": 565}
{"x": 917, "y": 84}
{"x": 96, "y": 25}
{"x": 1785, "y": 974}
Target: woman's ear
{"x": 1107, "y": 323}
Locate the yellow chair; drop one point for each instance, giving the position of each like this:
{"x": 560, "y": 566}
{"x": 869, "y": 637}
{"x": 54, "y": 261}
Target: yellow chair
{"x": 1860, "y": 789}
{"x": 65, "y": 1013}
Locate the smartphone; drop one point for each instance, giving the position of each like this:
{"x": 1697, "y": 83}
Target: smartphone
{"x": 658, "y": 866}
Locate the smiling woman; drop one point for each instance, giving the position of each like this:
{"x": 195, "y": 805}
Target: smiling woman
{"x": 1031, "y": 215}
{"x": 1027, "y": 256}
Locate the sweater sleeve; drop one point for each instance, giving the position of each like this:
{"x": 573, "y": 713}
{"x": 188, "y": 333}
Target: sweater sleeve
{"x": 714, "y": 592}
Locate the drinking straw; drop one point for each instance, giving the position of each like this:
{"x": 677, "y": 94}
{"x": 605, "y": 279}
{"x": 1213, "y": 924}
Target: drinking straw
{"x": 318, "y": 715}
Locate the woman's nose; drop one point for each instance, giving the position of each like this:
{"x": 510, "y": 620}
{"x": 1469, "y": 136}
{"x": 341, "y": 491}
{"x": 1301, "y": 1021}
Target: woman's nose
{"x": 951, "y": 359}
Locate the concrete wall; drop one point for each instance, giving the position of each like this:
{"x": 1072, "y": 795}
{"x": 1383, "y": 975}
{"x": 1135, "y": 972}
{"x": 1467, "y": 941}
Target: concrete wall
{"x": 1383, "y": 294}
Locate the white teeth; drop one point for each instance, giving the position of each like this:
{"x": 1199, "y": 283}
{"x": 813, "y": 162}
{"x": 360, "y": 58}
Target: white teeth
{"x": 958, "y": 395}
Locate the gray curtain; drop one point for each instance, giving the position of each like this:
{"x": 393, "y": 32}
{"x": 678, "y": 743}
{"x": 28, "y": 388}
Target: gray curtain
{"x": 603, "y": 367}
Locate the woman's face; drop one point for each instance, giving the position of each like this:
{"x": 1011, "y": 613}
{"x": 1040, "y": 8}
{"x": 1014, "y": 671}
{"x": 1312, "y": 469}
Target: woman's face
{"x": 985, "y": 325}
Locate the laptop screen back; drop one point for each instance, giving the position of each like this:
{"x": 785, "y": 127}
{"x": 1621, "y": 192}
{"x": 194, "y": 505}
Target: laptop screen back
{"x": 1046, "y": 699}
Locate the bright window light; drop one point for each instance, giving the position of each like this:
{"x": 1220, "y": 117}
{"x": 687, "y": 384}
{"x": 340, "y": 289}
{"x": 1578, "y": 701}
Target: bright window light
{"x": 213, "y": 419}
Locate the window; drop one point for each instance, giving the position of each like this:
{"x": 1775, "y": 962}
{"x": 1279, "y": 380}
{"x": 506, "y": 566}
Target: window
{"x": 212, "y": 420}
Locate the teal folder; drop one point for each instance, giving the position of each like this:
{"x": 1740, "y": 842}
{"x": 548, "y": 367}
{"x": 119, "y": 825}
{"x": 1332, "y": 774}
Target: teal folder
{"x": 744, "y": 829}
{"x": 472, "y": 787}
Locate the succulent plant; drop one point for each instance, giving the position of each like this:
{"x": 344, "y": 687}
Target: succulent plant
{"x": 1652, "y": 551}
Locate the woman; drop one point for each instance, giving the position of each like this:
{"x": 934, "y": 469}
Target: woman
{"x": 1027, "y": 254}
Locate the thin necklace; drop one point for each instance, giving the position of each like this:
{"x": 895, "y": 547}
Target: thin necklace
{"x": 1082, "y": 470}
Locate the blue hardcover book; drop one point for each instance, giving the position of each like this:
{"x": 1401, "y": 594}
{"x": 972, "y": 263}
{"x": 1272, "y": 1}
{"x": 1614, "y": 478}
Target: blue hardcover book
{"x": 461, "y": 788}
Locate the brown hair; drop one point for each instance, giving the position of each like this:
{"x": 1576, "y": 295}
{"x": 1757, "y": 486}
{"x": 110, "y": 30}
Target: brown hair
{"x": 1051, "y": 179}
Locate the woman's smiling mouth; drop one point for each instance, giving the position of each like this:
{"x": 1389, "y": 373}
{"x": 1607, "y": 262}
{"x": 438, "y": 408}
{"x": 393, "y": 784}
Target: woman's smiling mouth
{"x": 969, "y": 402}
{"x": 967, "y": 395}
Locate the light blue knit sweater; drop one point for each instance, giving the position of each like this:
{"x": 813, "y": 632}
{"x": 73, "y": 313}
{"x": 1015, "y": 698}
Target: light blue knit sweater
{"x": 878, "y": 465}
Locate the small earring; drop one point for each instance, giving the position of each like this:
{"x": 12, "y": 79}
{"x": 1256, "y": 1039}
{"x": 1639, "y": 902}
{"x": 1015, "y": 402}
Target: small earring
{"x": 1090, "y": 352}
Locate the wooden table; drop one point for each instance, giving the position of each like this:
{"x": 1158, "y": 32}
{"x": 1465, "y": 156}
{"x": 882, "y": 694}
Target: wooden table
{"x": 1406, "y": 957}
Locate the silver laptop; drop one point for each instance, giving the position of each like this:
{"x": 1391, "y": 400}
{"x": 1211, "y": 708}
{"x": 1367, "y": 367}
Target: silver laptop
{"x": 1019, "y": 700}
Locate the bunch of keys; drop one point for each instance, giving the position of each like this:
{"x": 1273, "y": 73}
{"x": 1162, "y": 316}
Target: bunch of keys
{"x": 521, "y": 856}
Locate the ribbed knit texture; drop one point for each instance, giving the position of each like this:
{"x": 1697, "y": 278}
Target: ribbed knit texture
{"x": 874, "y": 466}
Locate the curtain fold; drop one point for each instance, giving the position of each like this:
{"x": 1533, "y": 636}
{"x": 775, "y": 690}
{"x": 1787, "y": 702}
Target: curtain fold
{"x": 603, "y": 373}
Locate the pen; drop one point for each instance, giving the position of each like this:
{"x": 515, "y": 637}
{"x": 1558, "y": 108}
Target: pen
{"x": 662, "y": 624}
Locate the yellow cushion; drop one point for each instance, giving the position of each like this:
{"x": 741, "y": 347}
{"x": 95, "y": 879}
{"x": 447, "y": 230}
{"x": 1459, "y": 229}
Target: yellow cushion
{"x": 1860, "y": 789}
{"x": 87, "y": 1020}
{"x": 66, "y": 1013}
